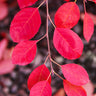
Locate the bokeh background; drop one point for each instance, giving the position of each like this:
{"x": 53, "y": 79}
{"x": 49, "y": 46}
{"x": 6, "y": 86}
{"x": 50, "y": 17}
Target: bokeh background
{"x": 13, "y": 78}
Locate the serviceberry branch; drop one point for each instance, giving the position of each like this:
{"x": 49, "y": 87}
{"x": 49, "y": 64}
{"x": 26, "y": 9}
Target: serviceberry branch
{"x": 66, "y": 41}
{"x": 49, "y": 52}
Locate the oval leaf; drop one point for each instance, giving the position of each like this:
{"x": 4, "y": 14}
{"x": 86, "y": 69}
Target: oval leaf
{"x": 67, "y": 43}
{"x": 25, "y": 3}
{"x": 73, "y": 90}
{"x": 24, "y": 52}
{"x": 3, "y": 45}
{"x": 88, "y": 27}
{"x": 41, "y": 88}
{"x": 25, "y": 24}
{"x": 75, "y": 74}
{"x": 67, "y": 16}
{"x": 39, "y": 74}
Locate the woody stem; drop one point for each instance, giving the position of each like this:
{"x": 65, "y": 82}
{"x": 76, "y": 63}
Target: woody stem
{"x": 47, "y": 10}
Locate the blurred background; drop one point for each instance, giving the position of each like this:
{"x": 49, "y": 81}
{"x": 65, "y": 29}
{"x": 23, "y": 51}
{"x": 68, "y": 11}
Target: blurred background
{"x": 13, "y": 78}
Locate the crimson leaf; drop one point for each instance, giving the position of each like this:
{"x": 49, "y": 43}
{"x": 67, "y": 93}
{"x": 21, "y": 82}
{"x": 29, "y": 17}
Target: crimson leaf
{"x": 39, "y": 74}
{"x": 67, "y": 15}
{"x": 25, "y": 3}
{"x": 66, "y": 43}
{"x": 24, "y": 52}
{"x": 75, "y": 74}
{"x": 73, "y": 90}
{"x": 88, "y": 27}
{"x": 41, "y": 88}
{"x": 25, "y": 24}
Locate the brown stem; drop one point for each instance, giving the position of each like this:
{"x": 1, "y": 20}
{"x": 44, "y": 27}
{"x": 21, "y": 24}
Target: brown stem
{"x": 48, "y": 35}
{"x": 58, "y": 75}
{"x": 75, "y": 1}
{"x": 41, "y": 4}
{"x": 51, "y": 21}
{"x": 55, "y": 62}
{"x": 42, "y": 38}
{"x": 46, "y": 59}
{"x": 84, "y": 6}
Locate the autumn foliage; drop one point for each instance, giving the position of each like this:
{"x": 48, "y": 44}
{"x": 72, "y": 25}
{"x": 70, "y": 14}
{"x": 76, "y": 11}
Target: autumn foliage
{"x": 26, "y": 24}
{"x": 6, "y": 65}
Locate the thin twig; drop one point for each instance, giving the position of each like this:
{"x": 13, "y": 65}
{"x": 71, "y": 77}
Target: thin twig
{"x": 84, "y": 6}
{"x": 51, "y": 21}
{"x": 75, "y": 1}
{"x": 41, "y": 4}
{"x": 48, "y": 35}
{"x": 42, "y": 38}
{"x": 58, "y": 75}
{"x": 46, "y": 59}
{"x": 55, "y": 62}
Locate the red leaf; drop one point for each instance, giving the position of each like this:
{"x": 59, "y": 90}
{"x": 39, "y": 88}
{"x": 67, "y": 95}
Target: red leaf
{"x": 73, "y": 90}
{"x": 3, "y": 45}
{"x": 67, "y": 43}
{"x": 89, "y": 87}
{"x": 3, "y": 10}
{"x": 25, "y": 24}
{"x": 24, "y": 52}
{"x": 9, "y": 53}
{"x": 2, "y": 1}
{"x": 25, "y": 3}
{"x": 39, "y": 74}
{"x": 88, "y": 27}
{"x": 75, "y": 74}
{"x": 41, "y": 88}
{"x": 67, "y": 0}
{"x": 94, "y": 1}
{"x": 67, "y": 16}
{"x": 6, "y": 66}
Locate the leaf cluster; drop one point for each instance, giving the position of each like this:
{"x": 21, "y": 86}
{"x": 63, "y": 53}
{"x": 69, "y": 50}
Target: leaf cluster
{"x": 26, "y": 24}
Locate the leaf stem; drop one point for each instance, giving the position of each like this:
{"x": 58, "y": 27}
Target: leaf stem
{"x": 75, "y": 1}
{"x": 84, "y": 6}
{"x": 55, "y": 62}
{"x": 58, "y": 75}
{"x": 42, "y": 38}
{"x": 41, "y": 4}
{"x": 51, "y": 21}
{"x": 46, "y": 59}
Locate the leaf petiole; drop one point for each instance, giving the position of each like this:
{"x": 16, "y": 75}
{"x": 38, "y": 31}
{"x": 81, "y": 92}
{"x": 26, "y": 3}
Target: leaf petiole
{"x": 55, "y": 62}
{"x": 58, "y": 75}
{"x": 46, "y": 59}
{"x": 41, "y": 38}
{"x": 41, "y": 4}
